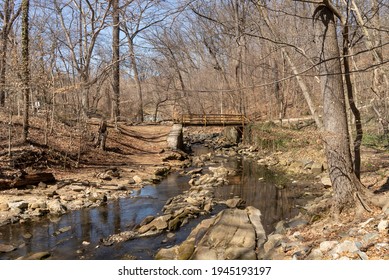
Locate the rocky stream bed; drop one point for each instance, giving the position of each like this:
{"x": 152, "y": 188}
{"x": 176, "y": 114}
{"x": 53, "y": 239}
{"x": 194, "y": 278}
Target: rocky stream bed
{"x": 229, "y": 226}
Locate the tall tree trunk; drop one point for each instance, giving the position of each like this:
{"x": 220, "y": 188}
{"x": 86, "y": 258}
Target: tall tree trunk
{"x": 3, "y": 53}
{"x": 9, "y": 16}
{"x": 25, "y": 67}
{"x": 3, "y": 67}
{"x": 350, "y": 95}
{"x": 335, "y": 131}
{"x": 115, "y": 58}
{"x": 238, "y": 66}
{"x": 134, "y": 66}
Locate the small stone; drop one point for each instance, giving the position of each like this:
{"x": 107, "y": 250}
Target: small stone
{"x": 326, "y": 246}
{"x": 62, "y": 230}
{"x": 297, "y": 235}
{"x": 280, "y": 227}
{"x": 194, "y": 171}
{"x": 297, "y": 222}
{"x": 131, "y": 181}
{"x": 6, "y": 248}
{"x": 4, "y": 207}
{"x": 370, "y": 237}
{"x": 42, "y": 185}
{"x": 326, "y": 181}
{"x": 77, "y": 188}
{"x": 137, "y": 179}
{"x": 362, "y": 225}
{"x": 85, "y": 243}
{"x": 382, "y": 246}
{"x": 235, "y": 202}
{"x": 208, "y": 207}
{"x": 22, "y": 205}
{"x": 55, "y": 207}
{"x": 37, "y": 256}
{"x": 158, "y": 223}
{"x": 316, "y": 254}
{"x": 316, "y": 168}
{"x": 383, "y": 225}
{"x": 274, "y": 240}
{"x": 362, "y": 255}
{"x": 146, "y": 220}
{"x": 27, "y": 235}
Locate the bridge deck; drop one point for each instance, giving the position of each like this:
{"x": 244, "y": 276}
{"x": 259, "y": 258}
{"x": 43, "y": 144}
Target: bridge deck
{"x": 213, "y": 119}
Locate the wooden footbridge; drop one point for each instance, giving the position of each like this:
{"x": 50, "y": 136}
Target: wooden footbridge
{"x": 212, "y": 120}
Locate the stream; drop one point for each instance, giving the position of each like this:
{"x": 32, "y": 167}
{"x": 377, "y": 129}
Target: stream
{"x": 84, "y": 228}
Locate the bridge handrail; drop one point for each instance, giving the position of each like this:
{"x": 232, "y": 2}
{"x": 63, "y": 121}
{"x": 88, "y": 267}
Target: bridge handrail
{"x": 209, "y": 119}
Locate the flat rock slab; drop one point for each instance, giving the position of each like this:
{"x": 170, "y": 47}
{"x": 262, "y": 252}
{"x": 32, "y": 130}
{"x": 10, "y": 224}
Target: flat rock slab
{"x": 231, "y": 237}
{"x": 233, "y": 234}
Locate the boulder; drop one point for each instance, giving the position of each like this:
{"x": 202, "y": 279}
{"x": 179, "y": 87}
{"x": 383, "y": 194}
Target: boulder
{"x": 55, "y": 207}
{"x": 232, "y": 134}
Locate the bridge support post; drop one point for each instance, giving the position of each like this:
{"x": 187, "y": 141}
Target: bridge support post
{"x": 175, "y": 139}
{"x": 233, "y": 134}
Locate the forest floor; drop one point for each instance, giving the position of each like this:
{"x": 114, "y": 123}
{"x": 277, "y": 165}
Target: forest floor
{"x": 140, "y": 150}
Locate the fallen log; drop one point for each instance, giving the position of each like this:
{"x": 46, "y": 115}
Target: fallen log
{"x": 27, "y": 179}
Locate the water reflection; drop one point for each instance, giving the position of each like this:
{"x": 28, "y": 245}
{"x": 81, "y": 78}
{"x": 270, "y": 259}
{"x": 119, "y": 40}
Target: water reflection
{"x": 89, "y": 225}
{"x": 261, "y": 188}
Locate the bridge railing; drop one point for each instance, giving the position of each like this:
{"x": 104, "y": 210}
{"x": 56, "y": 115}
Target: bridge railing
{"x": 213, "y": 119}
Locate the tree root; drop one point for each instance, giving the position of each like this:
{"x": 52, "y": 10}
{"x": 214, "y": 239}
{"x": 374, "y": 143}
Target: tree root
{"x": 363, "y": 203}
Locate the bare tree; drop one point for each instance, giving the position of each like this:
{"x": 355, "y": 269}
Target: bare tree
{"x": 139, "y": 16}
{"x": 116, "y": 57}
{"x": 91, "y": 21}
{"x": 8, "y": 15}
{"x": 300, "y": 80}
{"x": 25, "y": 67}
